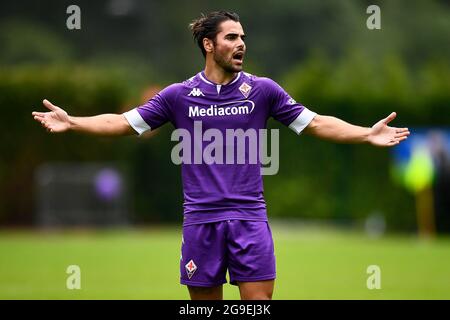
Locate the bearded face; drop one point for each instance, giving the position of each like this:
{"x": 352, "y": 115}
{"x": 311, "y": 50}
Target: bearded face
{"x": 229, "y": 47}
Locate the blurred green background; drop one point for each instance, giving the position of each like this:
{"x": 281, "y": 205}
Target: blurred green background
{"x": 322, "y": 53}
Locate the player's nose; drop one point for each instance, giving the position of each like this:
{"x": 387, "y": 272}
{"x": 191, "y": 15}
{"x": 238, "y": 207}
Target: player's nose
{"x": 241, "y": 43}
{"x": 241, "y": 47}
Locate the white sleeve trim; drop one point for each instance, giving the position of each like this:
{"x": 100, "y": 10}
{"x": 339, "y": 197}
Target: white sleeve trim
{"x": 302, "y": 121}
{"x": 136, "y": 121}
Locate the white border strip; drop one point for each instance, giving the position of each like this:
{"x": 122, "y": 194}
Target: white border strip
{"x": 302, "y": 121}
{"x": 136, "y": 121}
{"x": 237, "y": 78}
{"x": 203, "y": 78}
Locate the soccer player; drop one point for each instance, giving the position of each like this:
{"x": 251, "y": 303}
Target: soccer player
{"x": 225, "y": 224}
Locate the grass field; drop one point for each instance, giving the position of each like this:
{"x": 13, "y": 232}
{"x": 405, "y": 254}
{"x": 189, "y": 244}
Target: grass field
{"x": 144, "y": 264}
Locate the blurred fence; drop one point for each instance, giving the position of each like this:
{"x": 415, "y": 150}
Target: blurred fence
{"x": 80, "y": 195}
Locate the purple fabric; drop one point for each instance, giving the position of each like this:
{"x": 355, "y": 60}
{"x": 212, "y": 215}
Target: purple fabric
{"x": 217, "y": 192}
{"x": 244, "y": 248}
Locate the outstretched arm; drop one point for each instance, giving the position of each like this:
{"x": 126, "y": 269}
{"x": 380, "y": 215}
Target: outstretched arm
{"x": 57, "y": 120}
{"x": 334, "y": 129}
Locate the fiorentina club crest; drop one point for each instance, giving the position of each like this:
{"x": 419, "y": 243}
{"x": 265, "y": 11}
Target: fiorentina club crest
{"x": 190, "y": 268}
{"x": 245, "y": 89}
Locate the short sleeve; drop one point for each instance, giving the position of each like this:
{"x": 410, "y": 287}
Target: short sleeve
{"x": 285, "y": 109}
{"x": 154, "y": 113}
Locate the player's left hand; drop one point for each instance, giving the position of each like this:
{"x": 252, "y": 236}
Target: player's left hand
{"x": 382, "y": 135}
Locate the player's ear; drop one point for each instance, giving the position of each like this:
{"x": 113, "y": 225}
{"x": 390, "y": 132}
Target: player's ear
{"x": 208, "y": 45}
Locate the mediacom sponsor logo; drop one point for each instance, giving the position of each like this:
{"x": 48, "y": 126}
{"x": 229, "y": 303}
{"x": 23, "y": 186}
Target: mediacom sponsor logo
{"x": 228, "y": 109}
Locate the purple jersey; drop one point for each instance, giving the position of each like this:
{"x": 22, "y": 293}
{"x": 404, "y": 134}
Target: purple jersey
{"x": 220, "y": 191}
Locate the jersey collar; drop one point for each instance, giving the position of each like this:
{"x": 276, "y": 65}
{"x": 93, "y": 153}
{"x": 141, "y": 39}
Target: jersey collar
{"x": 204, "y": 79}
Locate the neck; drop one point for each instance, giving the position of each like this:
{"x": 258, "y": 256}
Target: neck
{"x": 217, "y": 75}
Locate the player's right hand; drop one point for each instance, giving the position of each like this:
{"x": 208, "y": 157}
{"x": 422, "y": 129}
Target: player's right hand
{"x": 57, "y": 120}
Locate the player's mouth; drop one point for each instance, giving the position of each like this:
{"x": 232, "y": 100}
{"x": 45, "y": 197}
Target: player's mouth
{"x": 238, "y": 57}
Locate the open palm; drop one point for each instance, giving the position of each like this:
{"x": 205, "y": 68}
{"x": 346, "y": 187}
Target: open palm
{"x": 57, "y": 120}
{"x": 384, "y": 136}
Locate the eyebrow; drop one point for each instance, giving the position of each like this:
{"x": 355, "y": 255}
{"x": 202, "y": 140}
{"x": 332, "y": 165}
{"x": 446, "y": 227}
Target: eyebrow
{"x": 234, "y": 35}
